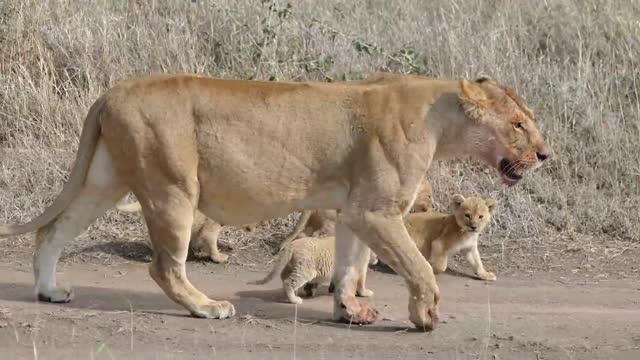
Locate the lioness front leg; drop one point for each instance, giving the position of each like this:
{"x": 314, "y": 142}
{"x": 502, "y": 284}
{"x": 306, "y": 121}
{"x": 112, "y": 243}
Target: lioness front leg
{"x": 351, "y": 256}
{"x": 473, "y": 257}
{"x": 387, "y": 236}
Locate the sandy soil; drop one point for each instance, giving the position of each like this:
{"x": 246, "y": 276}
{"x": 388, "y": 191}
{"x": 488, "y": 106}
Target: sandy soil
{"x": 119, "y": 312}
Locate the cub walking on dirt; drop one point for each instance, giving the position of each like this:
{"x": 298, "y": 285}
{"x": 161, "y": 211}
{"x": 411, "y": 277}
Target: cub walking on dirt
{"x": 309, "y": 262}
{"x": 440, "y": 235}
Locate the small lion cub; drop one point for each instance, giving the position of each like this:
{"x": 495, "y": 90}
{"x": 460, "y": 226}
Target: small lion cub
{"x": 309, "y": 262}
{"x": 439, "y": 235}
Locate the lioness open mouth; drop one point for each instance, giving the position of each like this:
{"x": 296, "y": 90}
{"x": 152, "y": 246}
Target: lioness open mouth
{"x": 509, "y": 172}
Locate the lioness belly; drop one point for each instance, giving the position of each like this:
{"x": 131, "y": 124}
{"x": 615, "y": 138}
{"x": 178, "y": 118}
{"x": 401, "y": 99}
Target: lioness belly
{"x": 264, "y": 159}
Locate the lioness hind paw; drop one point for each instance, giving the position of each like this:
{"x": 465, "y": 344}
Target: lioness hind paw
{"x": 58, "y": 295}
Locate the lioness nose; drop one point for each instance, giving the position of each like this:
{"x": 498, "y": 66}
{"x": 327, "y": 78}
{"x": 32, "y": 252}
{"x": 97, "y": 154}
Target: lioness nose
{"x": 543, "y": 154}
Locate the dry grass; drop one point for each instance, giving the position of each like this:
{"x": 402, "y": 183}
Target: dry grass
{"x": 576, "y": 62}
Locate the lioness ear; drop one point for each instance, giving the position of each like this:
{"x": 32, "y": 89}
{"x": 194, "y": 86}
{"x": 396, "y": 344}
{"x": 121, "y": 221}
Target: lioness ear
{"x": 457, "y": 200}
{"x": 491, "y": 204}
{"x": 473, "y": 99}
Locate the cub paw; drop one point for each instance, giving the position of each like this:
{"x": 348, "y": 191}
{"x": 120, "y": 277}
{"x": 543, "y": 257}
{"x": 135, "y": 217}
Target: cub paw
{"x": 219, "y": 258}
{"x": 488, "y": 276}
{"x": 310, "y": 289}
{"x": 295, "y": 300}
{"x": 364, "y": 292}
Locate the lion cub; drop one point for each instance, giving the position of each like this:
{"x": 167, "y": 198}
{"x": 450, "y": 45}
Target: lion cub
{"x": 308, "y": 262}
{"x": 439, "y": 235}
{"x": 204, "y": 232}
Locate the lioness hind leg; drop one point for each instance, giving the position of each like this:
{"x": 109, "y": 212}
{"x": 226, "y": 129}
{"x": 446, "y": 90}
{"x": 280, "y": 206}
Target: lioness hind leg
{"x": 100, "y": 192}
{"x": 169, "y": 226}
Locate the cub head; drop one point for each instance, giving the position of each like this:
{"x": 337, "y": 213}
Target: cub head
{"x": 503, "y": 131}
{"x": 472, "y": 214}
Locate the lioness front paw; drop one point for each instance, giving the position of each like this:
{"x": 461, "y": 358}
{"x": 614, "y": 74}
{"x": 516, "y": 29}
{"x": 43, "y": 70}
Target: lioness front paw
{"x": 488, "y": 276}
{"x": 423, "y": 307}
{"x": 355, "y": 312}
{"x": 364, "y": 292}
{"x": 57, "y": 295}
{"x": 215, "y": 310}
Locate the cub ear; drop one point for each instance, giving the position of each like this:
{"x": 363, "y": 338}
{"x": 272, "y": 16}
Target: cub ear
{"x": 457, "y": 200}
{"x": 474, "y": 99}
{"x": 491, "y": 204}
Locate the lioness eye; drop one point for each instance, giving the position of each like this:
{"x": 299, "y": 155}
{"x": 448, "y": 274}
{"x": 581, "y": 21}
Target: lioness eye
{"x": 518, "y": 125}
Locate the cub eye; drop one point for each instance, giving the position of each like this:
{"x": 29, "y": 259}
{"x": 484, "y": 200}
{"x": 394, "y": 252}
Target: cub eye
{"x": 480, "y": 216}
{"x": 468, "y": 216}
{"x": 518, "y": 125}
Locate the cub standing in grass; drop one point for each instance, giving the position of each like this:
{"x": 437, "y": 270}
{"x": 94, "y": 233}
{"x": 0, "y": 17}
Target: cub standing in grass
{"x": 440, "y": 235}
{"x": 309, "y": 262}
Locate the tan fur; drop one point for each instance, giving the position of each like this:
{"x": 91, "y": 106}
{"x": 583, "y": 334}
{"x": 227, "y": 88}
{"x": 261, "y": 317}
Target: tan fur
{"x": 181, "y": 142}
{"x": 439, "y": 236}
{"x": 308, "y": 262}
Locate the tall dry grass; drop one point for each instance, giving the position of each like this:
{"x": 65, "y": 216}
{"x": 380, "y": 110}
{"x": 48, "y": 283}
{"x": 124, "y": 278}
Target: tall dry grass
{"x": 575, "y": 62}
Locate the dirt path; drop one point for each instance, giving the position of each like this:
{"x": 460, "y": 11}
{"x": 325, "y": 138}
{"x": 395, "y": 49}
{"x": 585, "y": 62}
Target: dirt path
{"x": 120, "y": 313}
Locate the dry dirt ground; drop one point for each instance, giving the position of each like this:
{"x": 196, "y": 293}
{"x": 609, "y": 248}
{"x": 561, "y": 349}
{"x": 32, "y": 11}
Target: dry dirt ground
{"x": 119, "y": 312}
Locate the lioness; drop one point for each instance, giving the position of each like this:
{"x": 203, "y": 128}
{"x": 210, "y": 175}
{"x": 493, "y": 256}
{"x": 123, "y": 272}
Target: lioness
{"x": 309, "y": 262}
{"x": 322, "y": 222}
{"x": 440, "y": 235}
{"x": 181, "y": 142}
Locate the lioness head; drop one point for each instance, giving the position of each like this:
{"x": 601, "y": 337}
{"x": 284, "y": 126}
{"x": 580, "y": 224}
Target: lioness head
{"x": 504, "y": 131}
{"x": 472, "y": 214}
